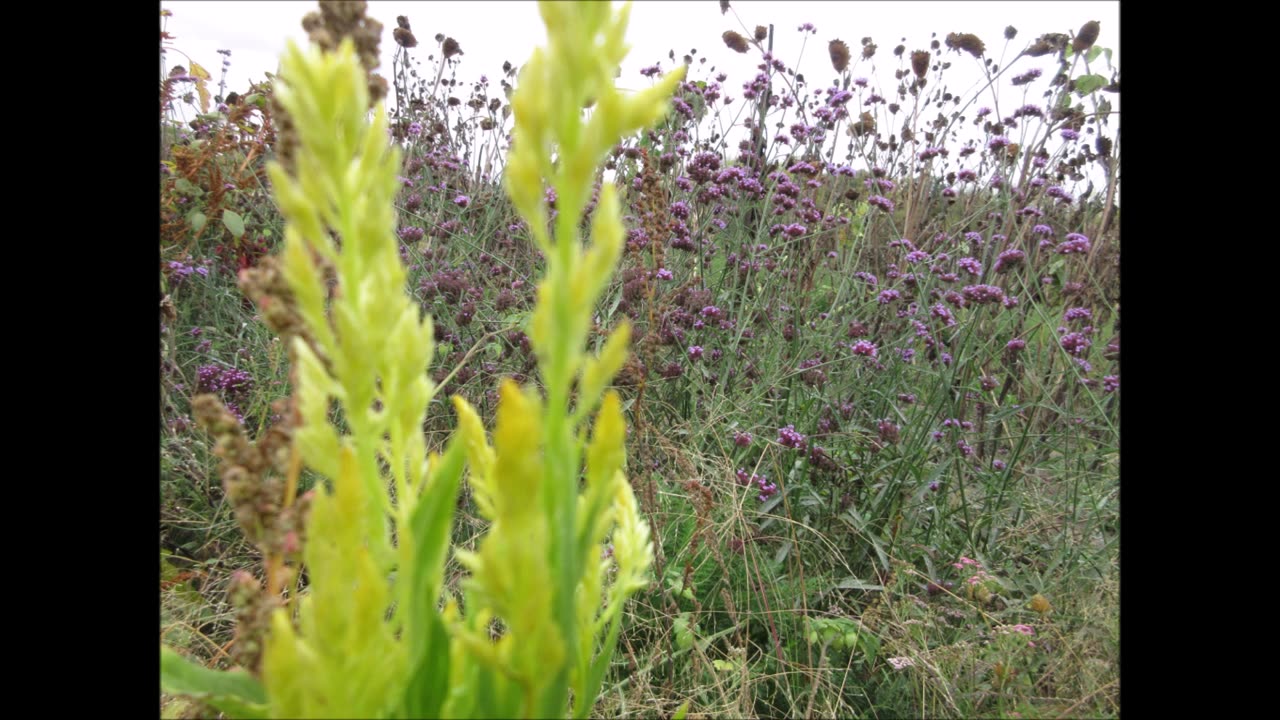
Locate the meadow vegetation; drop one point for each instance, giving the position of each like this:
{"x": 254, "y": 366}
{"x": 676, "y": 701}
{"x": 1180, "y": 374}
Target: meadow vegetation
{"x": 872, "y": 403}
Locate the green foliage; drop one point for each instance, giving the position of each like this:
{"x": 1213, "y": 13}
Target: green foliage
{"x": 836, "y": 595}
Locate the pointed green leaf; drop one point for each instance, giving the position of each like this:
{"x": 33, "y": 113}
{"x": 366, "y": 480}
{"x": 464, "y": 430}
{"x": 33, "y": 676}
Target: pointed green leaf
{"x": 235, "y": 693}
{"x": 428, "y": 644}
{"x": 197, "y": 220}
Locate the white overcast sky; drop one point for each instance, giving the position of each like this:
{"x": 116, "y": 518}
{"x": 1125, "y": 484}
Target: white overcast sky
{"x": 493, "y": 32}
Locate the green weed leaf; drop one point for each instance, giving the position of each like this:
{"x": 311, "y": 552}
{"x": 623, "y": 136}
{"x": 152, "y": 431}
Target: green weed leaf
{"x": 853, "y": 583}
{"x": 235, "y": 692}
{"x": 1088, "y": 84}
{"x": 234, "y": 223}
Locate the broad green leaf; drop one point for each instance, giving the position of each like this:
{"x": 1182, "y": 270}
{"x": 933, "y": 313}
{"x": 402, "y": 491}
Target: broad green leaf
{"x": 853, "y": 583}
{"x": 1093, "y": 53}
{"x": 184, "y": 185}
{"x": 1088, "y": 84}
{"x": 234, "y": 223}
{"x": 197, "y": 220}
{"x": 235, "y": 692}
{"x": 202, "y": 84}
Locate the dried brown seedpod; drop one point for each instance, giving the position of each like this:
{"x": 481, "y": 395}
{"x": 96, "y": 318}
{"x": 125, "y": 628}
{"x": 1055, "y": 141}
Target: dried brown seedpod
{"x": 736, "y": 42}
{"x": 1087, "y": 36}
{"x": 1047, "y": 44}
{"x": 404, "y": 37}
{"x": 920, "y": 63}
{"x": 968, "y": 42}
{"x": 839, "y": 55}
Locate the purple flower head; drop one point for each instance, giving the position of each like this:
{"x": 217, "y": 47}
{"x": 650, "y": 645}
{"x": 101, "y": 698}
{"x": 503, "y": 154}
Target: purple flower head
{"x": 788, "y": 437}
{"x": 767, "y": 489}
{"x": 883, "y": 203}
{"x": 1069, "y": 134}
{"x": 1027, "y": 76}
{"x": 1077, "y": 313}
{"x": 742, "y": 439}
{"x": 695, "y": 352}
{"x": 979, "y": 294}
{"x": 864, "y": 348}
{"x": 1111, "y": 383}
{"x": 1009, "y": 257}
{"x": 942, "y": 313}
{"x": 462, "y": 201}
{"x": 1076, "y": 343}
{"x": 664, "y": 274}
{"x": 1075, "y": 243}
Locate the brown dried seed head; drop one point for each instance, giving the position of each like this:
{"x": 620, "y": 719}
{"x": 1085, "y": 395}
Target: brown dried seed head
{"x": 1087, "y": 36}
{"x": 1046, "y": 44}
{"x": 736, "y": 42}
{"x": 762, "y": 33}
{"x": 839, "y": 55}
{"x": 724, "y": 6}
{"x": 404, "y": 38}
{"x": 403, "y": 22}
{"x": 451, "y": 48}
{"x": 1010, "y": 32}
{"x": 920, "y": 63}
{"x": 968, "y": 42}
{"x": 868, "y": 49}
